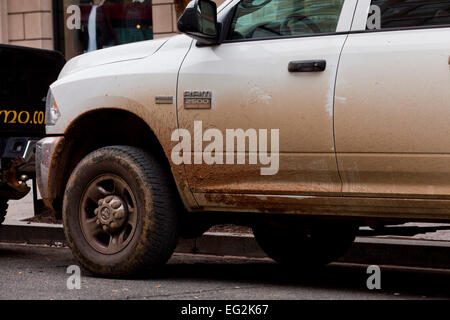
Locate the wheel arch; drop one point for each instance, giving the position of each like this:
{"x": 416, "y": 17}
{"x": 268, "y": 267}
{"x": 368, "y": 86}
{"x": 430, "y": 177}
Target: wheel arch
{"x": 105, "y": 127}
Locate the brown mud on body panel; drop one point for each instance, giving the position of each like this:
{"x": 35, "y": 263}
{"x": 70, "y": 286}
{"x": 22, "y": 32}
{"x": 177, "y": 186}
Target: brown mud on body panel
{"x": 396, "y": 175}
{"x": 73, "y": 147}
{"x": 420, "y": 209}
{"x": 298, "y": 173}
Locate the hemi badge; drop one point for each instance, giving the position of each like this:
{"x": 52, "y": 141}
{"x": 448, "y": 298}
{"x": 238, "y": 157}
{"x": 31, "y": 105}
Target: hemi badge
{"x": 164, "y": 100}
{"x": 197, "y": 99}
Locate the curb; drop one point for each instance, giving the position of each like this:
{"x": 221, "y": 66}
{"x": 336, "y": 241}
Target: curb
{"x": 32, "y": 233}
{"x": 365, "y": 250}
{"x": 401, "y": 252}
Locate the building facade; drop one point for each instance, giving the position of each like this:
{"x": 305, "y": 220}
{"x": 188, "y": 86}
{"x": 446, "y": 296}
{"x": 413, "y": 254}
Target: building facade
{"x": 78, "y": 26}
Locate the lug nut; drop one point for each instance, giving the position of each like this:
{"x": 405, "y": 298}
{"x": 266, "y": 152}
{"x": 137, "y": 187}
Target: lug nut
{"x": 119, "y": 215}
{"x": 116, "y": 205}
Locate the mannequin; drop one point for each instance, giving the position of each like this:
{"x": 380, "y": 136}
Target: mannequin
{"x": 92, "y": 25}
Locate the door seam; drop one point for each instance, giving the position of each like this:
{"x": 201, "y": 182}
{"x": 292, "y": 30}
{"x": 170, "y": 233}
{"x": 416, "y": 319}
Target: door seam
{"x": 334, "y": 115}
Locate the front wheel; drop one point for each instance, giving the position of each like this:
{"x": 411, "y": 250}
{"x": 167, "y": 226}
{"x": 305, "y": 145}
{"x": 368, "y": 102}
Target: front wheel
{"x": 120, "y": 212}
{"x": 306, "y": 245}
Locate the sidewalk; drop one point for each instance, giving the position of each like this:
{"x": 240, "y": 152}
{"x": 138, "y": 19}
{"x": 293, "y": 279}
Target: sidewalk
{"x": 20, "y": 210}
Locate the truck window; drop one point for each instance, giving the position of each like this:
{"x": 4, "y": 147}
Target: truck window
{"x": 385, "y": 14}
{"x": 257, "y": 19}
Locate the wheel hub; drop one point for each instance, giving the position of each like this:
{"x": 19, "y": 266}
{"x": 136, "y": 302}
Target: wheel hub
{"x": 111, "y": 214}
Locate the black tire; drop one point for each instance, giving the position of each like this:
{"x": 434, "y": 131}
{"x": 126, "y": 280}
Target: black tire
{"x": 305, "y": 246}
{"x": 152, "y": 193}
{"x": 3, "y": 209}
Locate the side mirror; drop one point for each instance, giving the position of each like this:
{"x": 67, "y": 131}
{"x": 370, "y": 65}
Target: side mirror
{"x": 199, "y": 21}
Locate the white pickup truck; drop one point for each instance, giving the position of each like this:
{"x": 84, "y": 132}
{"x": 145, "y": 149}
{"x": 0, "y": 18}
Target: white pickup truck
{"x": 301, "y": 119}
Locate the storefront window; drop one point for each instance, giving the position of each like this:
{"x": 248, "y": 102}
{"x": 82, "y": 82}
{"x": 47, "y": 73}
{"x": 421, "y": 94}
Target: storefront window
{"x": 89, "y": 25}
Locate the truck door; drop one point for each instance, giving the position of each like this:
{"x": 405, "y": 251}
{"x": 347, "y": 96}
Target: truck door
{"x": 392, "y": 107}
{"x": 276, "y": 70}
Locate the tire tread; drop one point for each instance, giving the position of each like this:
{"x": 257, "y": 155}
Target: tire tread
{"x": 158, "y": 244}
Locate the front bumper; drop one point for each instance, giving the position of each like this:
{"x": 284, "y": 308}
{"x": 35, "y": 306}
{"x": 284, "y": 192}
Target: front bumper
{"x": 46, "y": 153}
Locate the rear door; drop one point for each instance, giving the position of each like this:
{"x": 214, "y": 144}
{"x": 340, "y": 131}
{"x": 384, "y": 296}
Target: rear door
{"x": 253, "y": 88}
{"x": 392, "y": 110}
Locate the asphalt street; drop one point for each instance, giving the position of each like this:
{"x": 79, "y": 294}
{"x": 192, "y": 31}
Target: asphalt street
{"x": 39, "y": 272}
